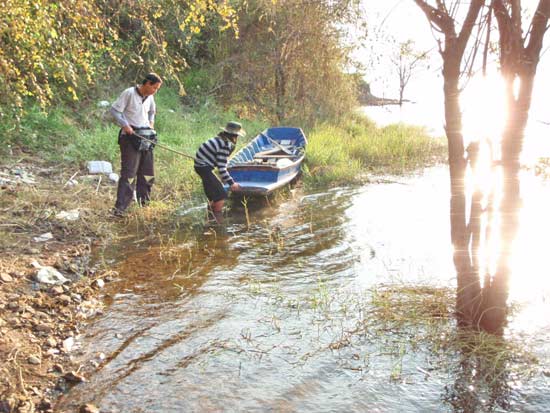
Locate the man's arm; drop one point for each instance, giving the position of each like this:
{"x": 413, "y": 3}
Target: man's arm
{"x": 117, "y": 110}
{"x": 121, "y": 121}
{"x": 151, "y": 113}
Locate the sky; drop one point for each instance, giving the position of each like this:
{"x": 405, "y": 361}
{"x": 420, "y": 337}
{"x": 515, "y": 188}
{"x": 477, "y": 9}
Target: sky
{"x": 404, "y": 20}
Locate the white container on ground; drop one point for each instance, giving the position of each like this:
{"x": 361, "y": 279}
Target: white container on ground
{"x": 100, "y": 167}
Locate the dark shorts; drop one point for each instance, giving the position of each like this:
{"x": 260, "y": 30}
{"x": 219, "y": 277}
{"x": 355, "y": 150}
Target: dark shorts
{"x": 213, "y": 187}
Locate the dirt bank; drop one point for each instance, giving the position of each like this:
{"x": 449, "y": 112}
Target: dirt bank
{"x": 49, "y": 221}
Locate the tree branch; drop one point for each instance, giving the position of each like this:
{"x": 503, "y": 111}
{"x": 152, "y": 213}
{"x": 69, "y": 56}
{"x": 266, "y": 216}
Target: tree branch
{"x": 469, "y": 23}
{"x": 539, "y": 27}
{"x": 438, "y": 17}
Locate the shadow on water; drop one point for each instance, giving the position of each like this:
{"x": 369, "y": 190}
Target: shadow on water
{"x": 311, "y": 302}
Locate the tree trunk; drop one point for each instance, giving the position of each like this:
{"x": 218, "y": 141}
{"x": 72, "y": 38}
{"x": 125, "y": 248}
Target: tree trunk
{"x": 280, "y": 92}
{"x": 496, "y": 293}
{"x": 468, "y": 287}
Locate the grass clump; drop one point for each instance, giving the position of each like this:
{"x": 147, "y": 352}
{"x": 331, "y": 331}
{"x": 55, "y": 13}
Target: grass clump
{"x": 345, "y": 153}
{"x": 410, "y": 319}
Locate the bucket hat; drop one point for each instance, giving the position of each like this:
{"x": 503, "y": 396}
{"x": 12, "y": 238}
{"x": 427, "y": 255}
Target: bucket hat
{"x": 234, "y": 128}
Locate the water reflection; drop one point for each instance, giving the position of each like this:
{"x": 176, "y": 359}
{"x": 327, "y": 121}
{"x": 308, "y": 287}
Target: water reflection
{"x": 482, "y": 383}
{"x": 506, "y": 228}
{"x": 288, "y": 310}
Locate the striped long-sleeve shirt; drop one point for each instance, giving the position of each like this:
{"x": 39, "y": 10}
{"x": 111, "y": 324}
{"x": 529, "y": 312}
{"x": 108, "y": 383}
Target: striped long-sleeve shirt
{"x": 214, "y": 152}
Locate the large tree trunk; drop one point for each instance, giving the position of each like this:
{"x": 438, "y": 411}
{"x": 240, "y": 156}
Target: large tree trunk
{"x": 518, "y": 62}
{"x": 468, "y": 287}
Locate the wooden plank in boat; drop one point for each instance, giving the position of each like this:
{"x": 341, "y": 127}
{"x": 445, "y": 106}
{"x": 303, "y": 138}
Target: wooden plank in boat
{"x": 270, "y": 152}
{"x": 258, "y": 156}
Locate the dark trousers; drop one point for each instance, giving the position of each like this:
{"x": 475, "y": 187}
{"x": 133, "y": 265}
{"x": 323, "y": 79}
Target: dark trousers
{"x": 136, "y": 174}
{"x": 213, "y": 188}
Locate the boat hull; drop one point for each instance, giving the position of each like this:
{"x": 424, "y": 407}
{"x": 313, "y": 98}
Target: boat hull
{"x": 262, "y": 180}
{"x": 269, "y": 162}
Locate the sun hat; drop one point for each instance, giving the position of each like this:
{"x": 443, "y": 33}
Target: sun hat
{"x": 234, "y": 128}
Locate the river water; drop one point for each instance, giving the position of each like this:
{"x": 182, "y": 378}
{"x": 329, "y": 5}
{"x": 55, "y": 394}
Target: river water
{"x": 285, "y": 312}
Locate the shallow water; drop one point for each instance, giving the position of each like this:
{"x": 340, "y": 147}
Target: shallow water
{"x": 265, "y": 316}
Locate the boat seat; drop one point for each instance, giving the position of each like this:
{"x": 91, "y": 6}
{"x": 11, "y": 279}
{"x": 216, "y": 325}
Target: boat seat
{"x": 272, "y": 153}
{"x": 257, "y": 156}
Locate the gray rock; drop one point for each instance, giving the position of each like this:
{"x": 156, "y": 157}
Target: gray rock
{"x": 99, "y": 283}
{"x": 74, "y": 377}
{"x": 49, "y": 275}
{"x": 65, "y": 299}
{"x": 68, "y": 344}
{"x": 88, "y": 408}
{"x": 44, "y": 237}
{"x": 57, "y": 290}
{"x": 34, "y": 360}
{"x": 52, "y": 342}
{"x": 43, "y": 328}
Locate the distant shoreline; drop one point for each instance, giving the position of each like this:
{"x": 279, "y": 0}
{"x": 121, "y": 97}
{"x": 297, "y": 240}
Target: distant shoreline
{"x": 371, "y": 100}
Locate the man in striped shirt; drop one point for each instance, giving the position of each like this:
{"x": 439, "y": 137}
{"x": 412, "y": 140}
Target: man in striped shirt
{"x": 213, "y": 154}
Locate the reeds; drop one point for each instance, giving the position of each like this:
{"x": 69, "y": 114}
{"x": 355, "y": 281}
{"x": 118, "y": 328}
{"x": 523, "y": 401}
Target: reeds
{"x": 348, "y": 152}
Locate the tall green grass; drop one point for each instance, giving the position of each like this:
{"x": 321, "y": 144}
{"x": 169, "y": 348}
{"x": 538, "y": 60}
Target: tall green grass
{"x": 60, "y": 137}
{"x": 336, "y": 154}
{"x": 348, "y": 152}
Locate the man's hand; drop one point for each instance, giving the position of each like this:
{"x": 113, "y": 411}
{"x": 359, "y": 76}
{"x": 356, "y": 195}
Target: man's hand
{"x": 235, "y": 187}
{"x": 128, "y": 130}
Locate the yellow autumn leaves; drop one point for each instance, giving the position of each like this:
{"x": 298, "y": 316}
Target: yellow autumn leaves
{"x": 53, "y": 50}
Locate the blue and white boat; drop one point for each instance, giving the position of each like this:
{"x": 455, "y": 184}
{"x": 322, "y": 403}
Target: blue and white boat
{"x": 269, "y": 161}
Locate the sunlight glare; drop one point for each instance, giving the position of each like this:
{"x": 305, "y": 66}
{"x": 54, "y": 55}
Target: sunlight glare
{"x": 530, "y": 279}
{"x": 484, "y": 108}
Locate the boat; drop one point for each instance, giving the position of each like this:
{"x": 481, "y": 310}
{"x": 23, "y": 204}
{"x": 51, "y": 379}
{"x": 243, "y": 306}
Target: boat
{"x": 269, "y": 161}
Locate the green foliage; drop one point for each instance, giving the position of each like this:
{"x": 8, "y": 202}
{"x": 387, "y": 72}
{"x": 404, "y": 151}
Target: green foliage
{"x": 39, "y": 131}
{"x": 337, "y": 154}
{"x": 328, "y": 160}
{"x": 47, "y": 44}
{"x": 58, "y": 138}
{"x": 289, "y": 62}
{"x": 162, "y": 38}
{"x": 200, "y": 85}
{"x": 286, "y": 61}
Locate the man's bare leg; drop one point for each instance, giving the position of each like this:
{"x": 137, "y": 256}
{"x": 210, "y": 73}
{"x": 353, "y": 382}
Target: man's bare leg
{"x": 217, "y": 210}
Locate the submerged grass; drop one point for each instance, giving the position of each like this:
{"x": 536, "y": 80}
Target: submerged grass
{"x": 412, "y": 332}
{"x": 406, "y": 320}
